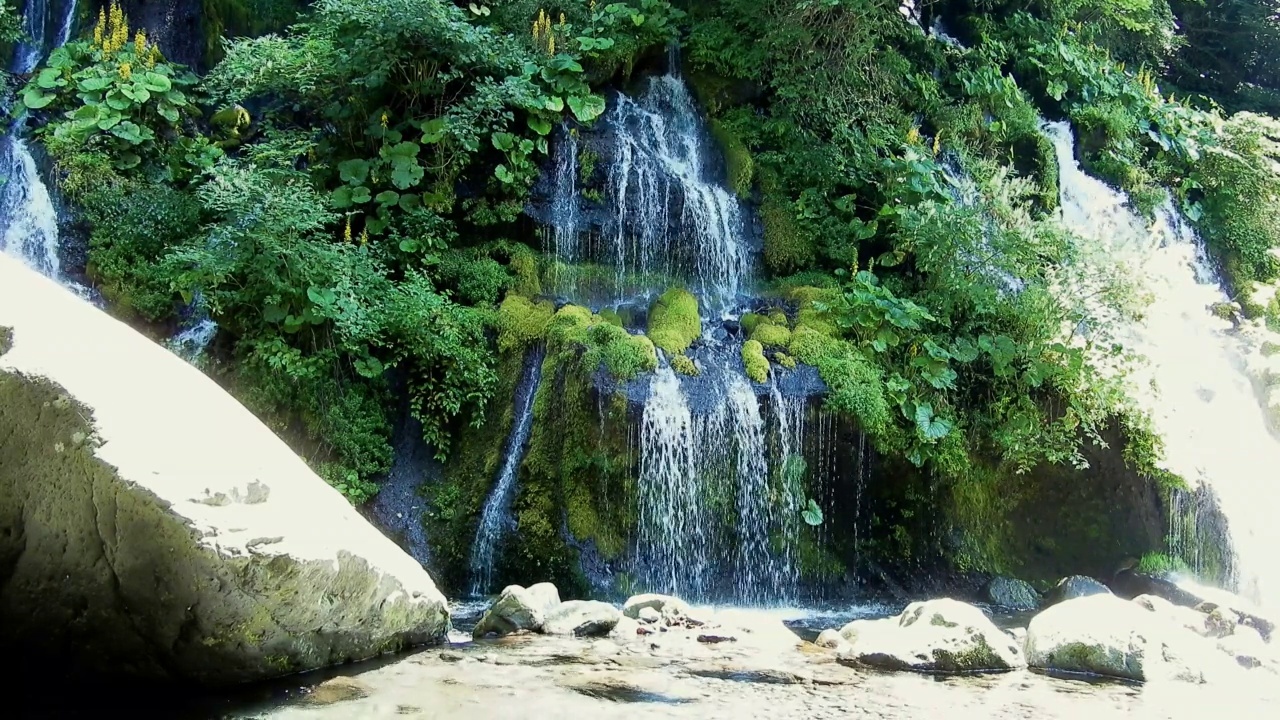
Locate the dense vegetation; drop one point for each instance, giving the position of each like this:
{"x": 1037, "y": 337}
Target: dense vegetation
{"x": 345, "y": 198}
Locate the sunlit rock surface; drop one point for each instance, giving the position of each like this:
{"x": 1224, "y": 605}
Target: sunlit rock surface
{"x": 150, "y": 525}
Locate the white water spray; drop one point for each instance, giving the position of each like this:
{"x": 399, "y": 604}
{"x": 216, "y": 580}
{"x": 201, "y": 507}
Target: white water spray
{"x": 1195, "y": 383}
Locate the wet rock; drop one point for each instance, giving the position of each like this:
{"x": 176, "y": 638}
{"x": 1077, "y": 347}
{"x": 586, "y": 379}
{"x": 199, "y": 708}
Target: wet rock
{"x": 545, "y": 596}
{"x": 666, "y": 605}
{"x": 163, "y": 531}
{"x": 1075, "y": 586}
{"x": 582, "y": 618}
{"x": 517, "y": 609}
{"x": 746, "y": 673}
{"x": 625, "y": 629}
{"x": 452, "y": 657}
{"x": 1011, "y": 593}
{"x": 714, "y": 638}
{"x": 830, "y": 638}
{"x": 1104, "y": 635}
{"x": 1019, "y": 635}
{"x": 1221, "y": 622}
{"x": 648, "y": 616}
{"x": 1249, "y": 615}
{"x": 339, "y": 689}
{"x": 1182, "y": 616}
{"x": 935, "y": 636}
{"x": 1131, "y": 584}
{"x": 1246, "y": 646}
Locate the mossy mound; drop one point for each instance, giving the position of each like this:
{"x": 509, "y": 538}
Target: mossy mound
{"x": 755, "y": 361}
{"x": 674, "y": 322}
{"x": 787, "y": 247}
{"x": 771, "y": 335}
{"x": 684, "y": 365}
{"x": 522, "y": 322}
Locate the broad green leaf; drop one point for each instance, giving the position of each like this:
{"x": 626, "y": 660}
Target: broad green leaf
{"x": 404, "y": 150}
{"x": 35, "y": 99}
{"x": 274, "y": 313}
{"x": 321, "y": 296}
{"x": 341, "y": 197}
{"x": 504, "y": 174}
{"x": 433, "y": 130}
{"x": 50, "y": 78}
{"x": 586, "y": 107}
{"x": 361, "y": 195}
{"x": 555, "y": 103}
{"x": 110, "y": 121}
{"x": 156, "y": 82}
{"x": 354, "y": 172}
{"x": 539, "y": 125}
{"x": 406, "y": 174}
{"x": 117, "y": 101}
{"x": 388, "y": 197}
{"x": 503, "y": 141}
{"x": 168, "y": 112}
{"x": 95, "y": 84}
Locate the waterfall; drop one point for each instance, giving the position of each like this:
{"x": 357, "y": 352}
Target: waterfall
{"x": 755, "y": 566}
{"x": 28, "y": 221}
{"x": 671, "y": 219}
{"x": 673, "y": 545}
{"x": 497, "y": 508}
{"x": 1194, "y": 383}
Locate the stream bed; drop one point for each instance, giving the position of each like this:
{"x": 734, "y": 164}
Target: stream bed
{"x": 769, "y": 670}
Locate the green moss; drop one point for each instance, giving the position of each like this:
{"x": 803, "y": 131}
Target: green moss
{"x": 522, "y": 322}
{"x": 749, "y": 321}
{"x": 787, "y": 248}
{"x": 674, "y": 322}
{"x": 569, "y": 326}
{"x": 739, "y": 165}
{"x": 1158, "y": 564}
{"x": 625, "y": 355}
{"x": 1268, "y": 348}
{"x": 683, "y": 365}
{"x": 770, "y": 335}
{"x": 785, "y": 360}
{"x": 6, "y": 339}
{"x": 757, "y": 365}
{"x": 611, "y": 316}
{"x": 587, "y": 161}
{"x": 524, "y": 266}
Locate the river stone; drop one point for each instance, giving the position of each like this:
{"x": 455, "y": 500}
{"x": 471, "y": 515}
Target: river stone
{"x": 545, "y": 596}
{"x": 665, "y": 604}
{"x": 831, "y": 639}
{"x": 648, "y": 616}
{"x": 1178, "y": 615}
{"x": 1075, "y": 586}
{"x": 516, "y": 609}
{"x": 941, "y": 635}
{"x": 1011, "y": 593}
{"x": 584, "y": 618}
{"x": 1104, "y": 635}
{"x": 1247, "y": 648}
{"x": 151, "y": 526}
{"x": 336, "y": 690}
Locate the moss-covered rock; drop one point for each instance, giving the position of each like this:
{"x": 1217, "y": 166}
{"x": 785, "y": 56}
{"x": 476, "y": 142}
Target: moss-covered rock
{"x": 772, "y": 336}
{"x": 787, "y": 247}
{"x": 749, "y": 321}
{"x": 684, "y": 365}
{"x": 754, "y": 360}
{"x": 674, "y": 322}
{"x": 522, "y": 322}
{"x": 739, "y": 165}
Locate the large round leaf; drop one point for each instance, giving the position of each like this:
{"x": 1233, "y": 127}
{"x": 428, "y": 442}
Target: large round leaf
{"x": 35, "y": 98}
{"x": 156, "y": 82}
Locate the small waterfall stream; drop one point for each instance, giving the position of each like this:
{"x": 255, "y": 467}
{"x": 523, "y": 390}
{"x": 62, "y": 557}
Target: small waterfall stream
{"x": 495, "y": 518}
{"x": 1195, "y": 382}
{"x": 28, "y": 221}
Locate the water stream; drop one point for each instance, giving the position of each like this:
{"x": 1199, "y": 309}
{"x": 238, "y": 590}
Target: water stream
{"x": 1195, "y": 383}
{"x": 496, "y": 517}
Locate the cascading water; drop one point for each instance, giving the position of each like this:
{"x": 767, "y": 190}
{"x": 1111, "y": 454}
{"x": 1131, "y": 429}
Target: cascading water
{"x": 755, "y": 572}
{"x": 1195, "y": 383}
{"x": 28, "y": 221}
{"x": 669, "y": 216}
{"x": 497, "y": 508}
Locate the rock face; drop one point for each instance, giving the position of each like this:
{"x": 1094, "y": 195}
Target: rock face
{"x": 583, "y": 618}
{"x": 1011, "y": 593}
{"x": 935, "y": 636}
{"x": 151, "y": 526}
{"x": 516, "y": 609}
{"x": 1104, "y": 635}
{"x": 1076, "y": 586}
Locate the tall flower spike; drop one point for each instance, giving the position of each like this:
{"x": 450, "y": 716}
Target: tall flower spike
{"x": 140, "y": 43}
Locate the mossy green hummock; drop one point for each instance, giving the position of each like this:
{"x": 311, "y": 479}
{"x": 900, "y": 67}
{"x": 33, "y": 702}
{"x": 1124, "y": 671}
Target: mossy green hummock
{"x": 773, "y": 336}
{"x": 522, "y": 322}
{"x": 739, "y": 165}
{"x": 757, "y": 364}
{"x": 684, "y": 365}
{"x": 674, "y": 322}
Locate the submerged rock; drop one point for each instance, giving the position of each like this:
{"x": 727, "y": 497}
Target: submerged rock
{"x": 1104, "y": 635}
{"x": 151, "y": 526}
{"x": 1075, "y": 586}
{"x": 516, "y": 609}
{"x": 583, "y": 618}
{"x": 935, "y": 636}
{"x": 1011, "y": 593}
{"x": 339, "y": 689}
{"x": 831, "y": 639}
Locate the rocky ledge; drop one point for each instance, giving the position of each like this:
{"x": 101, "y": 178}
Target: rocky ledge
{"x": 151, "y": 526}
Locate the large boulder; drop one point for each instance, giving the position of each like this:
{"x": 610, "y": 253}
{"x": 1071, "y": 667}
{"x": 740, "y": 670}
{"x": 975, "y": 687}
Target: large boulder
{"x": 935, "y": 636}
{"x": 1011, "y": 593}
{"x": 517, "y": 609}
{"x": 1075, "y": 586}
{"x": 1104, "y": 635}
{"x": 151, "y": 526}
{"x": 583, "y": 618}
{"x": 665, "y": 605}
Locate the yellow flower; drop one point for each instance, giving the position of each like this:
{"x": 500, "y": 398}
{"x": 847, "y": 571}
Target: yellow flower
{"x": 937, "y": 142}
{"x": 364, "y": 237}
{"x": 551, "y": 45}
{"x": 100, "y": 27}
{"x": 384, "y": 120}
{"x": 913, "y": 136}
{"x": 347, "y": 235}
{"x": 561, "y": 21}
{"x": 126, "y": 71}
{"x": 154, "y": 57}
{"x": 140, "y": 43}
